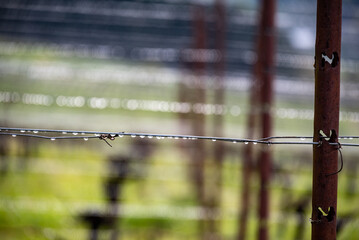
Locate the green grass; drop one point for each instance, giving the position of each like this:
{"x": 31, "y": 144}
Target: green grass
{"x": 61, "y": 181}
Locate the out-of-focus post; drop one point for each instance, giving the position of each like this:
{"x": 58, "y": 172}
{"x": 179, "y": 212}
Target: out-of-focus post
{"x": 248, "y": 156}
{"x": 198, "y": 121}
{"x": 326, "y": 119}
{"x": 215, "y": 191}
{"x": 266, "y": 71}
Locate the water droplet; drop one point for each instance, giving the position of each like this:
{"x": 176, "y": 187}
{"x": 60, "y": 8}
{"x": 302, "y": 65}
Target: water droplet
{"x": 351, "y": 138}
{"x": 184, "y": 138}
{"x": 133, "y": 136}
{"x": 142, "y": 136}
{"x": 121, "y": 135}
{"x": 176, "y": 137}
{"x": 22, "y": 131}
{"x": 53, "y": 139}
{"x": 113, "y": 135}
{"x": 75, "y": 133}
{"x": 13, "y": 135}
{"x": 150, "y": 136}
{"x": 64, "y": 132}
{"x": 255, "y": 143}
{"x": 158, "y": 137}
{"x": 214, "y": 140}
{"x": 169, "y": 137}
{"x": 245, "y": 142}
{"x": 35, "y": 131}
{"x": 339, "y": 138}
{"x": 97, "y": 134}
{"x": 234, "y": 142}
{"x": 302, "y": 138}
{"x": 86, "y": 139}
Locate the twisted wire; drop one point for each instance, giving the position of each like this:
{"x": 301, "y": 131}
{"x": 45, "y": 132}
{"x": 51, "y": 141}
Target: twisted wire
{"x": 86, "y": 135}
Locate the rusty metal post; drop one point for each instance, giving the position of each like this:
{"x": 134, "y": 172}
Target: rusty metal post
{"x": 266, "y": 69}
{"x": 248, "y": 157}
{"x": 198, "y": 119}
{"x": 326, "y": 119}
{"x": 215, "y": 191}
{"x": 220, "y": 29}
{"x": 199, "y": 96}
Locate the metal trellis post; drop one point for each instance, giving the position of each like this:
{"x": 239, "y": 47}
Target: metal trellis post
{"x": 215, "y": 191}
{"x": 326, "y": 119}
{"x": 248, "y": 158}
{"x": 198, "y": 120}
{"x": 266, "y": 69}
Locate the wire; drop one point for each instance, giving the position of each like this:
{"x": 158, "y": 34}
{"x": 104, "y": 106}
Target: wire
{"x": 86, "y": 135}
{"x": 341, "y": 162}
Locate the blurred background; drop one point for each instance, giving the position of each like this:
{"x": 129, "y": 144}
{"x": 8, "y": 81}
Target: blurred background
{"x": 167, "y": 67}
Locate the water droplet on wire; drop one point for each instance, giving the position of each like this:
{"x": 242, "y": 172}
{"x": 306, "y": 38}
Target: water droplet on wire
{"x": 22, "y": 131}
{"x": 75, "y": 133}
{"x": 86, "y": 139}
{"x": 254, "y": 143}
{"x": 142, "y": 136}
{"x": 246, "y": 142}
{"x": 64, "y": 132}
{"x": 35, "y": 131}
{"x": 213, "y": 140}
{"x": 133, "y": 136}
{"x": 14, "y": 135}
{"x": 150, "y": 136}
{"x": 53, "y": 139}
